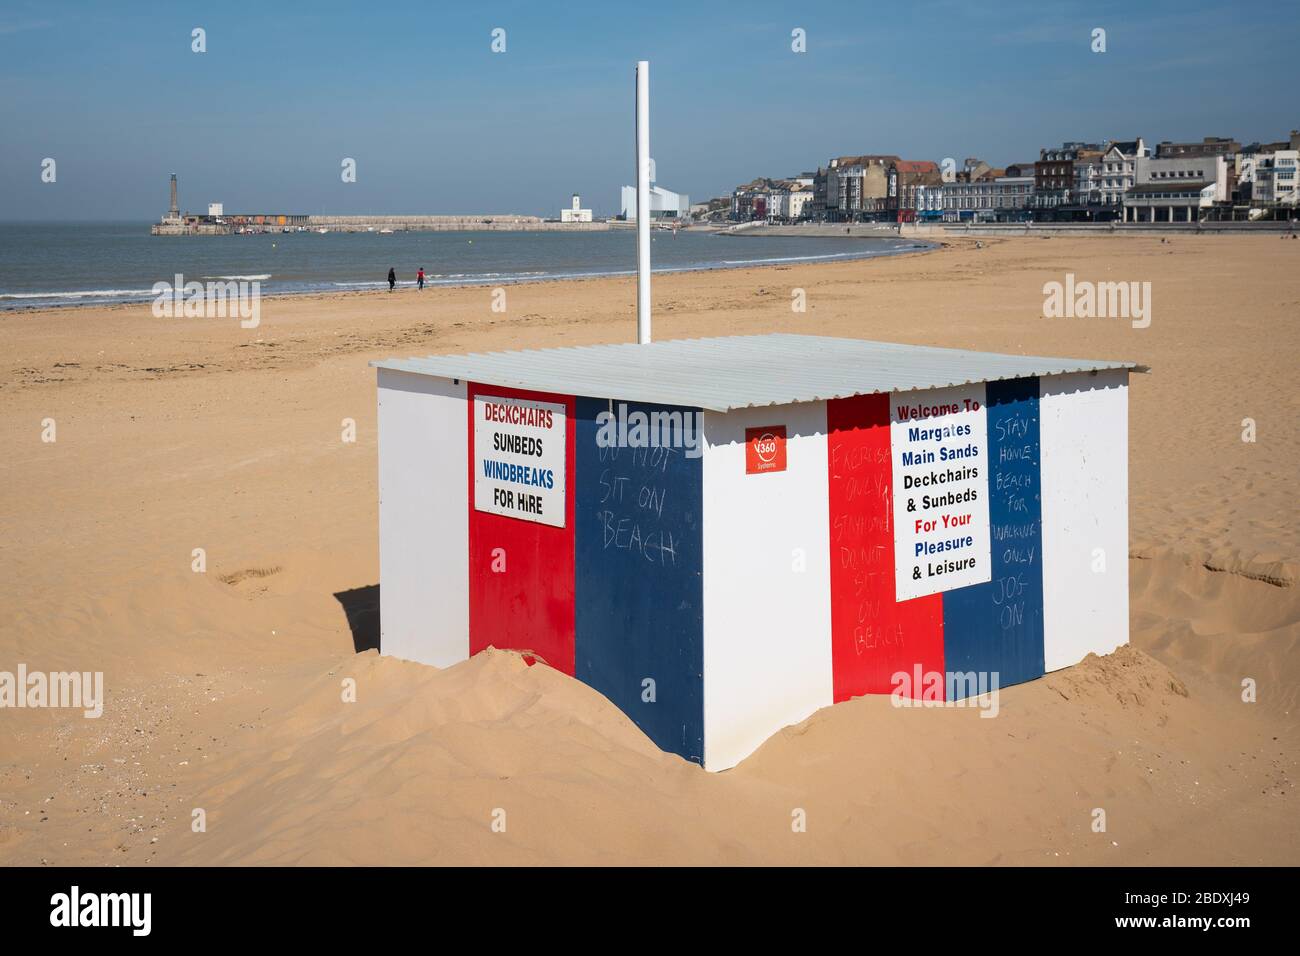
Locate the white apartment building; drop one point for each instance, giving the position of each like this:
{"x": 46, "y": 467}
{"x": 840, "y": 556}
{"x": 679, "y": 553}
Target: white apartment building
{"x": 1275, "y": 177}
{"x": 1116, "y": 173}
{"x": 788, "y": 204}
{"x": 799, "y": 200}
{"x": 1101, "y": 178}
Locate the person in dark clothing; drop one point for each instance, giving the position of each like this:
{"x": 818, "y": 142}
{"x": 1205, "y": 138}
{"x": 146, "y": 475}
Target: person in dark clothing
{"x": 419, "y": 277}
{"x": 392, "y": 279}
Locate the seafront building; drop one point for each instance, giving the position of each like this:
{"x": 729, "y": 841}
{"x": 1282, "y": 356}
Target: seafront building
{"x": 772, "y": 200}
{"x": 1066, "y": 181}
{"x": 1177, "y": 187}
{"x": 1246, "y": 163}
{"x": 749, "y": 202}
{"x": 664, "y": 204}
{"x": 913, "y": 186}
{"x": 575, "y": 213}
{"x": 1054, "y": 176}
{"x": 1275, "y": 178}
{"x": 1167, "y": 202}
{"x": 1115, "y": 175}
{"x": 1209, "y": 146}
{"x": 1113, "y": 180}
{"x": 1110, "y": 181}
{"x": 1267, "y": 173}
{"x": 856, "y": 187}
{"x": 1242, "y": 172}
{"x": 787, "y": 202}
{"x": 987, "y": 199}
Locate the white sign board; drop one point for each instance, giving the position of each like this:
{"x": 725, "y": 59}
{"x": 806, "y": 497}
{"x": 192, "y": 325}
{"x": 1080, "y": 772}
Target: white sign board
{"x": 519, "y": 457}
{"x": 939, "y": 442}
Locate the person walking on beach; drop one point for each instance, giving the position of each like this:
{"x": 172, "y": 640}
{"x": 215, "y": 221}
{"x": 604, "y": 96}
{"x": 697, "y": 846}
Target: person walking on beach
{"x": 419, "y": 277}
{"x": 392, "y": 279}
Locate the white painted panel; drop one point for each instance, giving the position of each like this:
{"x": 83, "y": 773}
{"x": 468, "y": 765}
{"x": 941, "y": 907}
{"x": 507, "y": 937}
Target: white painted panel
{"x": 1084, "y": 420}
{"x": 767, "y": 624}
{"x": 423, "y": 518}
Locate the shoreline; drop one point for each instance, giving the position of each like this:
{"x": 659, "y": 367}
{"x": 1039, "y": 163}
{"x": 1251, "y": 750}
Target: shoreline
{"x": 916, "y": 247}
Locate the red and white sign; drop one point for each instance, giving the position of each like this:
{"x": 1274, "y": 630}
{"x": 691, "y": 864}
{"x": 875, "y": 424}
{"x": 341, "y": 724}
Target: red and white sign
{"x": 764, "y": 449}
{"x": 519, "y": 459}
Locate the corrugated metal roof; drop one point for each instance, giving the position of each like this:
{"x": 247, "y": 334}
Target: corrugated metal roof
{"x": 740, "y": 371}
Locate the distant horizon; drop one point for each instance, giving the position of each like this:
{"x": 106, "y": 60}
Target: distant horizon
{"x": 554, "y": 214}
{"x": 148, "y": 221}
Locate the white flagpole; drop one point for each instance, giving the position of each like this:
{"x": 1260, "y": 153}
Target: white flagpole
{"x": 643, "y": 202}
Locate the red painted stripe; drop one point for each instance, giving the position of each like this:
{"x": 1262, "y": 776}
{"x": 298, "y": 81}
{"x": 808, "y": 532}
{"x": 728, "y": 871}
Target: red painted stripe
{"x": 873, "y": 636}
{"x": 528, "y": 607}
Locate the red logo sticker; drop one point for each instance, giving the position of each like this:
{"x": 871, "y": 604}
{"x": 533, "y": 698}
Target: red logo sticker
{"x": 764, "y": 449}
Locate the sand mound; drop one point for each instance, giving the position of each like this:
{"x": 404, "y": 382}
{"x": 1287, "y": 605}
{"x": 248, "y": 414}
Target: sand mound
{"x": 1220, "y": 629}
{"x": 425, "y": 761}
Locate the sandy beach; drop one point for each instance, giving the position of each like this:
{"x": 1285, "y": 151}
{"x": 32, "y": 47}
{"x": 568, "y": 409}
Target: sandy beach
{"x": 223, "y": 687}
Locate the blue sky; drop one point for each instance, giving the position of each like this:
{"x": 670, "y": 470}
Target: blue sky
{"x": 438, "y": 123}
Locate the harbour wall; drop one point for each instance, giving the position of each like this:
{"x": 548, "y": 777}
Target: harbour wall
{"x": 508, "y": 223}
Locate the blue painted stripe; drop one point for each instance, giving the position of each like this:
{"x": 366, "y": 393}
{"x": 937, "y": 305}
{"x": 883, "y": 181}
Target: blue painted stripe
{"x": 998, "y": 626}
{"x": 639, "y": 580}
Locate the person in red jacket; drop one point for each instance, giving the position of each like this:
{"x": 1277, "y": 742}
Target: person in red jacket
{"x": 419, "y": 277}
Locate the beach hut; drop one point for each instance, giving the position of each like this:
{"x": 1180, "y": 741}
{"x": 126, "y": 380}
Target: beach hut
{"x": 723, "y": 535}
